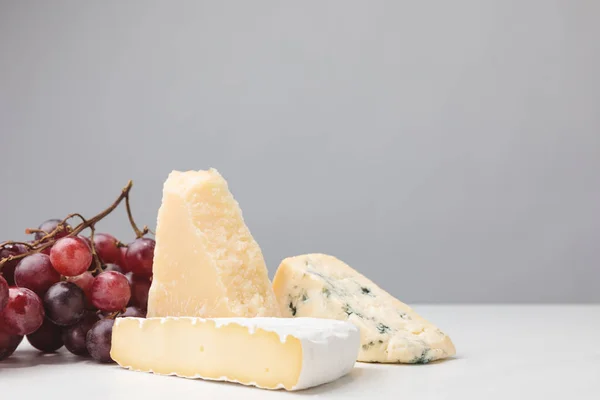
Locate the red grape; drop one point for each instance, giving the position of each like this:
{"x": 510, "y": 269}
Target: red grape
{"x": 3, "y": 293}
{"x": 23, "y": 314}
{"x": 140, "y": 255}
{"x": 110, "y": 291}
{"x": 107, "y": 249}
{"x": 139, "y": 291}
{"x": 74, "y": 336}
{"x": 133, "y": 312}
{"x": 47, "y": 338}
{"x": 98, "y": 340}
{"x": 71, "y": 256}
{"x": 8, "y": 343}
{"x": 49, "y": 226}
{"x": 35, "y": 272}
{"x": 8, "y": 269}
{"x": 84, "y": 281}
{"x": 64, "y": 303}
{"x": 86, "y": 240}
{"x": 113, "y": 267}
{"x": 89, "y": 243}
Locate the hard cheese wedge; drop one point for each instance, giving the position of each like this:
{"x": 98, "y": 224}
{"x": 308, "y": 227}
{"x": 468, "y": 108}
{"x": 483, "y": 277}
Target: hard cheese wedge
{"x": 271, "y": 353}
{"x": 206, "y": 263}
{"x": 321, "y": 286}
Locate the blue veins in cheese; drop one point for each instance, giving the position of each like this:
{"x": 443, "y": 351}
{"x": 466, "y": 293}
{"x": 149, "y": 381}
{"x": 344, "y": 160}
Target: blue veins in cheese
{"x": 321, "y": 286}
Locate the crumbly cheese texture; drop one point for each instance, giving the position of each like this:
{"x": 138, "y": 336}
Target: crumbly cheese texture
{"x": 206, "y": 262}
{"x": 270, "y": 353}
{"x": 321, "y": 286}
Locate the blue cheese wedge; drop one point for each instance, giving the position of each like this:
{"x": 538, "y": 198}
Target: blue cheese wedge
{"x": 321, "y": 286}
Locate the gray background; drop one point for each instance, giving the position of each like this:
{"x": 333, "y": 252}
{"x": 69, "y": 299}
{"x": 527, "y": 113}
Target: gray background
{"x": 449, "y": 150}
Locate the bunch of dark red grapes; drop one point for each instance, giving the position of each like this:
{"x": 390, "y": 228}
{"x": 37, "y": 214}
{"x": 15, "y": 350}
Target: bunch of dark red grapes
{"x": 69, "y": 293}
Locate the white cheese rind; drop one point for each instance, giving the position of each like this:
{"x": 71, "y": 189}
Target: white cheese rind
{"x": 321, "y": 286}
{"x": 328, "y": 347}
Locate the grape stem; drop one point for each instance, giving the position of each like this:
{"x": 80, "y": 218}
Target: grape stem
{"x": 9, "y": 242}
{"x": 95, "y": 256}
{"x": 50, "y": 238}
{"x": 113, "y": 315}
{"x": 138, "y": 233}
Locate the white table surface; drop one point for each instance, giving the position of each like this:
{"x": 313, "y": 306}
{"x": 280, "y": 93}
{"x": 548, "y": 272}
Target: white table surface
{"x": 504, "y": 352}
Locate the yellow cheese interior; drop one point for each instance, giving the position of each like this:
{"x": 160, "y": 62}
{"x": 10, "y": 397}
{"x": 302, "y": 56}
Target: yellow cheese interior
{"x": 202, "y": 350}
{"x": 206, "y": 262}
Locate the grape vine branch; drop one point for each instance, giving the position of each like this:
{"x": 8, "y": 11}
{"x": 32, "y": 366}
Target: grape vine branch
{"x": 50, "y": 238}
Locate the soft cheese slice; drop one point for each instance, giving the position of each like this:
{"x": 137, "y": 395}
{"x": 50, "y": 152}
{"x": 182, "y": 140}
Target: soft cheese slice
{"x": 321, "y": 286}
{"x": 206, "y": 263}
{"x": 271, "y": 353}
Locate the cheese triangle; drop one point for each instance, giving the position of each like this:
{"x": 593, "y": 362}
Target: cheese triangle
{"x": 206, "y": 262}
{"x": 321, "y": 286}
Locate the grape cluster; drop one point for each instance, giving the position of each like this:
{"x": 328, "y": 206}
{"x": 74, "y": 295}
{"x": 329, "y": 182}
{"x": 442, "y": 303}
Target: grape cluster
{"x": 62, "y": 295}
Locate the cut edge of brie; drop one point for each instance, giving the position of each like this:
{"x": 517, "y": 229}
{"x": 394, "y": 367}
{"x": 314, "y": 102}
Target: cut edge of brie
{"x": 269, "y": 353}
